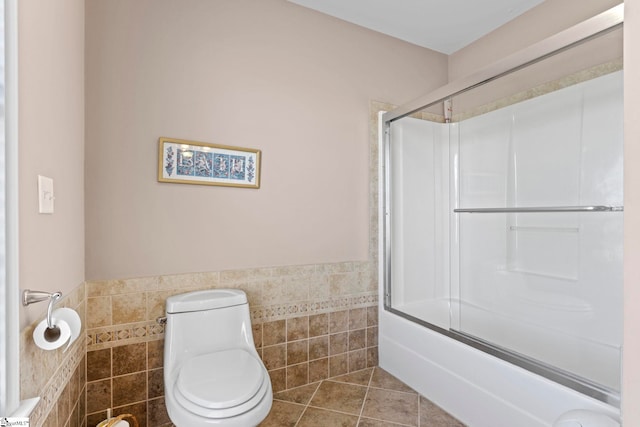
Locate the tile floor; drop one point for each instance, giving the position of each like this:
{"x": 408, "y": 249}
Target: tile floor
{"x": 368, "y": 398}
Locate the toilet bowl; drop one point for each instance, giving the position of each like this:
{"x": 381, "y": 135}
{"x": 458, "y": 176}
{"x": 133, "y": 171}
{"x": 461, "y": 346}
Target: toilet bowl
{"x": 213, "y": 375}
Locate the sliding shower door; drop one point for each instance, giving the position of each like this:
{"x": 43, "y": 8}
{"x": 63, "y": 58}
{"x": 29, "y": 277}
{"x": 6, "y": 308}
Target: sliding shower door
{"x": 419, "y": 223}
{"x": 538, "y": 220}
{"x": 504, "y": 227}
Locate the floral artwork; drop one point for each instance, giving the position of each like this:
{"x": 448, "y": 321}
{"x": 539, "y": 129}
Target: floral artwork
{"x": 190, "y": 162}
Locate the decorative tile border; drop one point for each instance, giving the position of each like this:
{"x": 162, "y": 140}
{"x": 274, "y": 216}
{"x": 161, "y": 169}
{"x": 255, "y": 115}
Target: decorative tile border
{"x": 117, "y": 335}
{"x": 285, "y": 311}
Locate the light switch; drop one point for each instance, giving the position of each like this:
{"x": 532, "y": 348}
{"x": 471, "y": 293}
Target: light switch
{"x": 45, "y": 194}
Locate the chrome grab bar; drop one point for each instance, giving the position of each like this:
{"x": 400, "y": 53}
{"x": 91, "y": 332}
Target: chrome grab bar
{"x": 543, "y": 209}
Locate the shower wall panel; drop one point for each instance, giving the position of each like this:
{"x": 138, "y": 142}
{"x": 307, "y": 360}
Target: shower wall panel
{"x": 545, "y": 285}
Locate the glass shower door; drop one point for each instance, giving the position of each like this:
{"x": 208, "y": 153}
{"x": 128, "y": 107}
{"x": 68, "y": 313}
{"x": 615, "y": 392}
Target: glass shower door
{"x": 538, "y": 245}
{"x": 418, "y": 204}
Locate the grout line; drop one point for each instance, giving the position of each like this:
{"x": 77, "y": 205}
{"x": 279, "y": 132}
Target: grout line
{"x": 366, "y": 394}
{"x": 397, "y": 391}
{"x": 306, "y": 406}
{"x": 419, "y": 408}
{"x": 337, "y": 411}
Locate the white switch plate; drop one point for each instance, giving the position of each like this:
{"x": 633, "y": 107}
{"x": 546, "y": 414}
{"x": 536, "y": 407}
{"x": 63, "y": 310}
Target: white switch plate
{"x": 45, "y": 194}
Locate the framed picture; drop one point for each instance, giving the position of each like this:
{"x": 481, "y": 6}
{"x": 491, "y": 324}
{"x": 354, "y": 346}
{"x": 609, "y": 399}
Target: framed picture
{"x": 190, "y": 162}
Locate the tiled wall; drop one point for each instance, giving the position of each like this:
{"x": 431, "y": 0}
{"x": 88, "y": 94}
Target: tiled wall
{"x": 309, "y": 323}
{"x": 127, "y": 378}
{"x": 306, "y": 349}
{"x": 57, "y": 376}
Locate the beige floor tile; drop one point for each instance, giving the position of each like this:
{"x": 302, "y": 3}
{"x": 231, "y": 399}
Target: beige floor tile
{"x": 383, "y": 379}
{"x": 360, "y": 377}
{"x": 340, "y": 397}
{"x": 367, "y": 398}
{"x": 393, "y": 406}
{"x": 301, "y": 395}
{"x": 368, "y": 422}
{"x": 283, "y": 414}
{"x": 314, "y": 417}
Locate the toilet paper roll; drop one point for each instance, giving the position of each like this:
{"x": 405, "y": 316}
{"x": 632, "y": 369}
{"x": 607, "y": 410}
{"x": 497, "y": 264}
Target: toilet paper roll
{"x": 43, "y": 343}
{"x": 73, "y": 320}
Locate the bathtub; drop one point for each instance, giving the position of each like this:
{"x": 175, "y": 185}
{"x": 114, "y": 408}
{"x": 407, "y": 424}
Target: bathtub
{"x": 479, "y": 389}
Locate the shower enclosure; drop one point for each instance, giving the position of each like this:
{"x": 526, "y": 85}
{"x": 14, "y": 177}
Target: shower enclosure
{"x": 502, "y": 224}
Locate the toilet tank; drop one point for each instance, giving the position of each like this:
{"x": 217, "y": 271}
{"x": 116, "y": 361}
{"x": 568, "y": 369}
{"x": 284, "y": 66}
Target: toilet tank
{"x": 205, "y": 300}
{"x": 205, "y": 321}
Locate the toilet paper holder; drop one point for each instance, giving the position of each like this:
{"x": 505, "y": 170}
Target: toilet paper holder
{"x": 29, "y": 297}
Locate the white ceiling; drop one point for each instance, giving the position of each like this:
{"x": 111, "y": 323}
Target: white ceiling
{"x": 441, "y": 25}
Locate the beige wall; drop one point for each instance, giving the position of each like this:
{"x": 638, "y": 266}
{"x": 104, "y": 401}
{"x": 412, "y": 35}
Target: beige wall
{"x": 631, "y": 353}
{"x": 262, "y": 74}
{"x": 51, "y": 133}
{"x": 51, "y": 143}
{"x": 542, "y": 21}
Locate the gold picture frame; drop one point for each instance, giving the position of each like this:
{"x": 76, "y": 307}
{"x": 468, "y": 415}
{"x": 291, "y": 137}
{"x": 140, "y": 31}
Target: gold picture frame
{"x": 191, "y": 162}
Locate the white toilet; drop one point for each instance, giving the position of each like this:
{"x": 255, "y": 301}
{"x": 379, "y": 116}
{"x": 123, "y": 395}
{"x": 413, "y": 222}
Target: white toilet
{"x": 213, "y": 375}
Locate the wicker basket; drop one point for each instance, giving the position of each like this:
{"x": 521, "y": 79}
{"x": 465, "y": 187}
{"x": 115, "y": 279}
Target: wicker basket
{"x": 113, "y": 421}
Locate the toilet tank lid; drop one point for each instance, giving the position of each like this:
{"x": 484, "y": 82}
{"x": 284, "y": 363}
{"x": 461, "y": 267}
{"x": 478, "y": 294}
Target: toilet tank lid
{"x": 205, "y": 300}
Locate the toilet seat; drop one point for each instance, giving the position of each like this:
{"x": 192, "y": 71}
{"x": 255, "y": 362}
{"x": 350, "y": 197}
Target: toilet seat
{"x": 221, "y": 384}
